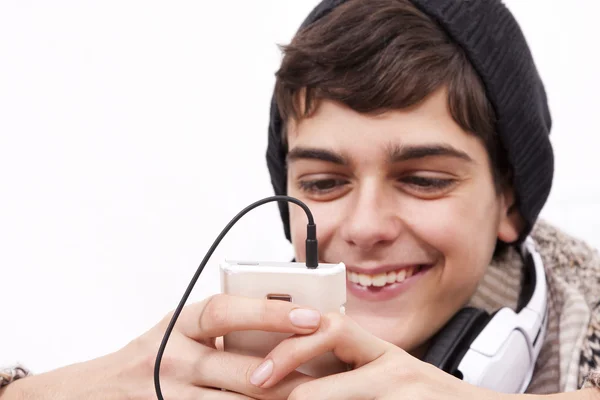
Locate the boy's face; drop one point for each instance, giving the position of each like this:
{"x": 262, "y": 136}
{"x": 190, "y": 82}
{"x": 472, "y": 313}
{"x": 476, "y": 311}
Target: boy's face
{"x": 407, "y": 201}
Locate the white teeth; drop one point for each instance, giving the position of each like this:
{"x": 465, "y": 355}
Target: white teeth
{"x": 364, "y": 280}
{"x": 391, "y": 277}
{"x": 380, "y": 280}
{"x": 401, "y": 275}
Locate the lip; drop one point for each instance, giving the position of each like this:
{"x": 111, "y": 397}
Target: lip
{"x": 387, "y": 292}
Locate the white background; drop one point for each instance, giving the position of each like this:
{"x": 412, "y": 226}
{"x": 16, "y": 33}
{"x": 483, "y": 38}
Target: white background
{"x": 132, "y": 131}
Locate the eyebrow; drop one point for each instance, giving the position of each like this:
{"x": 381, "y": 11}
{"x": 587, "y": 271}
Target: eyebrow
{"x": 397, "y": 153}
{"x": 299, "y": 153}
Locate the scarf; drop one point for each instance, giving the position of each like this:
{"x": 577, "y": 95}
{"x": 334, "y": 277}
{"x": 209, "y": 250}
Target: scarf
{"x": 570, "y": 355}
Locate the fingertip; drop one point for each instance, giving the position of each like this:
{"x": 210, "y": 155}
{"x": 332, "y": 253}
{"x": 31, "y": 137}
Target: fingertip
{"x": 305, "y": 318}
{"x": 262, "y": 373}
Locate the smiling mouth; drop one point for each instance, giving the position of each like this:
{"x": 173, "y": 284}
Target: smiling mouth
{"x": 384, "y": 279}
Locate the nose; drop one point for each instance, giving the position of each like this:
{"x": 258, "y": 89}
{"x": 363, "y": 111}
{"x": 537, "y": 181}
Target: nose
{"x": 372, "y": 218}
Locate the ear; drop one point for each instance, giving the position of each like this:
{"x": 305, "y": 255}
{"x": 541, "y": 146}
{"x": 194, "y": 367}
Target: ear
{"x": 511, "y": 223}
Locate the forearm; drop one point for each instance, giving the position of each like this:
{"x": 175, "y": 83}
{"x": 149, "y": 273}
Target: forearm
{"x": 11, "y": 392}
{"x": 9, "y": 378}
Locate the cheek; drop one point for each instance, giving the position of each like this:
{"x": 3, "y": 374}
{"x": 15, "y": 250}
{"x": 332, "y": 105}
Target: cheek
{"x": 463, "y": 228}
{"x": 327, "y": 215}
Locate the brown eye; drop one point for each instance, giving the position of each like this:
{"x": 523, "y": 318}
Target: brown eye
{"x": 426, "y": 187}
{"x": 321, "y": 185}
{"x": 428, "y": 183}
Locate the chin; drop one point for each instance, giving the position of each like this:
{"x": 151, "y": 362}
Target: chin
{"x": 390, "y": 327}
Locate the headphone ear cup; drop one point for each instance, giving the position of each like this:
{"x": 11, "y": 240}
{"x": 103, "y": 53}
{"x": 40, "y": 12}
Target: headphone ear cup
{"x": 450, "y": 344}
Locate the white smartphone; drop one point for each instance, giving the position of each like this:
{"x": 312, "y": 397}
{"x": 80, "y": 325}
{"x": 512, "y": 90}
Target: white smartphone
{"x": 322, "y": 288}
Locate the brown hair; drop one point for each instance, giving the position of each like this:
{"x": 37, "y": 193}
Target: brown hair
{"x": 378, "y": 55}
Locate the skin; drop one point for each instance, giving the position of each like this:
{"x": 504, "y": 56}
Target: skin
{"x": 442, "y": 210}
{"x": 192, "y": 365}
{"x": 378, "y": 216}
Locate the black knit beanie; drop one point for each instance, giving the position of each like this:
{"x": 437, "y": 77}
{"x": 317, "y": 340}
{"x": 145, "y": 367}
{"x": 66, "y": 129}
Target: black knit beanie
{"x": 497, "y": 49}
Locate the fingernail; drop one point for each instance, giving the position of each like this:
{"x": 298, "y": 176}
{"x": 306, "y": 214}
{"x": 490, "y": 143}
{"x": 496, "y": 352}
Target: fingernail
{"x": 305, "y": 318}
{"x": 262, "y": 373}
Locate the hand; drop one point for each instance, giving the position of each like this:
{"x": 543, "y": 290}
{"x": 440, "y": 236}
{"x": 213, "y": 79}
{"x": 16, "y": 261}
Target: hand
{"x": 380, "y": 371}
{"x": 192, "y": 367}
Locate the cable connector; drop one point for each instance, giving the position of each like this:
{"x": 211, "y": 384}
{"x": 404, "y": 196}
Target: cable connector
{"x": 312, "y": 253}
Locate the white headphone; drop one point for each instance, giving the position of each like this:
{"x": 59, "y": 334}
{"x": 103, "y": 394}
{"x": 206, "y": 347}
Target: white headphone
{"x": 498, "y": 351}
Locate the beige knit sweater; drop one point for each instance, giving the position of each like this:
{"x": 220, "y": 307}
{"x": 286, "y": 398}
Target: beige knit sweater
{"x": 570, "y": 356}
